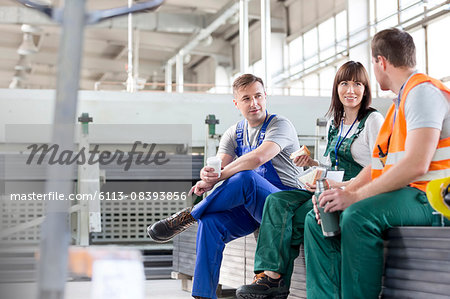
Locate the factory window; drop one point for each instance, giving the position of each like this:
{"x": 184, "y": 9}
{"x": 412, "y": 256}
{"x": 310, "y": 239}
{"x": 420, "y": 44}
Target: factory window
{"x": 341, "y": 31}
{"x": 296, "y": 55}
{"x": 326, "y": 81}
{"x": 419, "y": 41}
{"x": 386, "y": 14}
{"x": 296, "y": 88}
{"x": 438, "y": 47}
{"x": 327, "y": 39}
{"x": 310, "y": 48}
{"x": 314, "y": 55}
{"x": 311, "y": 85}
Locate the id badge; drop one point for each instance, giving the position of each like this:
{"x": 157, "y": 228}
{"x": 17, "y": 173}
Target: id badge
{"x": 335, "y": 175}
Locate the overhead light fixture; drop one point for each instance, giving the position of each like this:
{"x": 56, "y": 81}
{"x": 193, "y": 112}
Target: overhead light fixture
{"x": 31, "y": 29}
{"x": 207, "y": 41}
{"x": 13, "y": 84}
{"x": 27, "y": 47}
{"x": 234, "y": 19}
{"x": 43, "y": 2}
{"x": 187, "y": 58}
{"x": 17, "y": 82}
{"x": 23, "y": 64}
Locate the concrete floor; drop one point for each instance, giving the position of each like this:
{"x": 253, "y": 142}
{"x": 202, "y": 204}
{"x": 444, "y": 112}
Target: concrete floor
{"x": 154, "y": 289}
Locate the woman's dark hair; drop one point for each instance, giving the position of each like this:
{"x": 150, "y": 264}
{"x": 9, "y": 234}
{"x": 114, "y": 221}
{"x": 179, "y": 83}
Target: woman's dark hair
{"x": 350, "y": 71}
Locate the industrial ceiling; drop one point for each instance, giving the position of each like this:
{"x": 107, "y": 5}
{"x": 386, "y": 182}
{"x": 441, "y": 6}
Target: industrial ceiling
{"x": 158, "y": 37}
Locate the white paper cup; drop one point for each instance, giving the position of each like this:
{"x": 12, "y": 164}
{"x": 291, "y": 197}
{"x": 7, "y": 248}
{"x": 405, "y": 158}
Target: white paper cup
{"x": 215, "y": 163}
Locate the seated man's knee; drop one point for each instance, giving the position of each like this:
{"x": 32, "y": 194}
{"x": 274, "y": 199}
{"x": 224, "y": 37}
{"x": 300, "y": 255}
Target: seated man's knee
{"x": 354, "y": 218}
{"x": 244, "y": 175}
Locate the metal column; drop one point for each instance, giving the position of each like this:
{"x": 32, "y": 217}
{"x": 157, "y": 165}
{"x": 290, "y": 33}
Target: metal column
{"x": 243, "y": 36}
{"x": 179, "y": 74}
{"x": 55, "y": 236}
{"x": 131, "y": 80}
{"x": 137, "y": 42}
{"x": 265, "y": 41}
{"x": 168, "y": 75}
{"x": 52, "y": 269}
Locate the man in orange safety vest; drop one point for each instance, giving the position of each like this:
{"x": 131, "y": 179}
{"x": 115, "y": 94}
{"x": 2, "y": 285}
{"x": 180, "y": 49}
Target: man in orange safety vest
{"x": 412, "y": 148}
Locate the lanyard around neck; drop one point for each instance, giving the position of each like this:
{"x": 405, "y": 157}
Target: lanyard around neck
{"x": 248, "y": 139}
{"x": 398, "y": 104}
{"x": 397, "y": 107}
{"x": 339, "y": 142}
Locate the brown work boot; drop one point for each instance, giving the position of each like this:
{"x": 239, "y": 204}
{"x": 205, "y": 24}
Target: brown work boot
{"x": 164, "y": 230}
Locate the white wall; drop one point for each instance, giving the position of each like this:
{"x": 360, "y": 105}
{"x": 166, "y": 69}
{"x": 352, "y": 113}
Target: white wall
{"x": 36, "y": 107}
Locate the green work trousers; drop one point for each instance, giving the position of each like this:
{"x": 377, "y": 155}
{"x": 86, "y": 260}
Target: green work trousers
{"x": 351, "y": 265}
{"x": 281, "y": 231}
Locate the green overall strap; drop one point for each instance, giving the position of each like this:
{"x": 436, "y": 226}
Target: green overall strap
{"x": 346, "y": 161}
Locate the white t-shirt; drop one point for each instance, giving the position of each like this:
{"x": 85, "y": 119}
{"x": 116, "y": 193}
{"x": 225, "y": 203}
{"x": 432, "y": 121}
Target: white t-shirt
{"x": 362, "y": 146}
{"x": 427, "y": 107}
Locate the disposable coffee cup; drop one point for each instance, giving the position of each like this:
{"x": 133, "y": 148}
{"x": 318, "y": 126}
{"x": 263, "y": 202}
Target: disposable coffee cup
{"x": 215, "y": 163}
{"x": 330, "y": 222}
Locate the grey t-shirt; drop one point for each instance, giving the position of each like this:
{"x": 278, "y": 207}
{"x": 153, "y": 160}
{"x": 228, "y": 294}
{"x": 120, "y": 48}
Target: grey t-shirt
{"x": 280, "y": 131}
{"x": 427, "y": 107}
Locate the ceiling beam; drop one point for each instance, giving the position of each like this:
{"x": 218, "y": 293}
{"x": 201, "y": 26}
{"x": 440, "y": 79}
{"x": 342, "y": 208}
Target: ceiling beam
{"x": 198, "y": 6}
{"x": 215, "y": 22}
{"x": 89, "y": 62}
{"x": 151, "y": 21}
{"x": 41, "y": 81}
{"x": 204, "y": 5}
{"x": 147, "y": 39}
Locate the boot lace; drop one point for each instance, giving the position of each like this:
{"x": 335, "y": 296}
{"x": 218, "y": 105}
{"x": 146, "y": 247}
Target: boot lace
{"x": 258, "y": 277}
{"x": 181, "y": 218}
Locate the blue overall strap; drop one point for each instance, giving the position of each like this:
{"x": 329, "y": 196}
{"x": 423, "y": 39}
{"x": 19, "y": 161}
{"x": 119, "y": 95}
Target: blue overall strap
{"x": 267, "y": 170}
{"x": 262, "y": 132}
{"x": 240, "y": 137}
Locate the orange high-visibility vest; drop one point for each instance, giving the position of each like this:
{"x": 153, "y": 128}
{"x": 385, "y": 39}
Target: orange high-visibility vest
{"x": 394, "y": 136}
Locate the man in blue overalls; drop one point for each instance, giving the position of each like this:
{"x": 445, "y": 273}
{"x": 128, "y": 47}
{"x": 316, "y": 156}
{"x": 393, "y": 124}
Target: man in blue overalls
{"x": 255, "y": 160}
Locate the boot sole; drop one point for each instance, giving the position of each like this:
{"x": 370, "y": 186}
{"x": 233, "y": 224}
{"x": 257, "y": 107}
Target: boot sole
{"x": 283, "y": 295}
{"x": 155, "y": 238}
{"x": 152, "y": 234}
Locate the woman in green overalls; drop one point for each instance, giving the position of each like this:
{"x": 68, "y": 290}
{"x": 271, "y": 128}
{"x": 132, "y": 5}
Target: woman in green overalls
{"x": 352, "y": 131}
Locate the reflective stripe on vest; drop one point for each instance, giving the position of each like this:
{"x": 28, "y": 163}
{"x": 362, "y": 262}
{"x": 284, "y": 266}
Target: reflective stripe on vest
{"x": 440, "y": 163}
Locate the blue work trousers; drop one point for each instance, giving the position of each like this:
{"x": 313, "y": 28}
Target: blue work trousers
{"x": 232, "y": 210}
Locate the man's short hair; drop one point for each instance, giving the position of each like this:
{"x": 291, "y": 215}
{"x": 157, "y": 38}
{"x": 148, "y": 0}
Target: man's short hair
{"x": 397, "y": 46}
{"x": 245, "y": 80}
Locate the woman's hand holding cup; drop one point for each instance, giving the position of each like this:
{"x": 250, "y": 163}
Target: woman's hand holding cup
{"x": 316, "y": 209}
